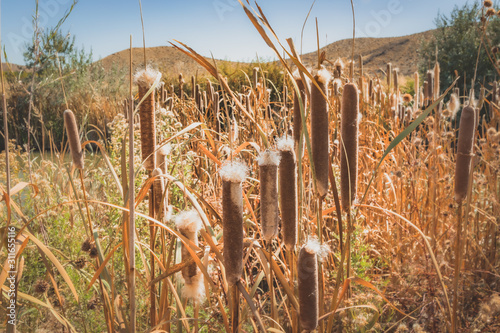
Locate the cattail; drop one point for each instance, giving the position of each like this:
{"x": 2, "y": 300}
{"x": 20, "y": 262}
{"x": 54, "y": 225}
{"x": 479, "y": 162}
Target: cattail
{"x": 161, "y": 157}
{"x": 145, "y": 80}
{"x": 73, "y": 138}
{"x": 430, "y": 86}
{"x": 425, "y": 90}
{"x": 181, "y": 87}
{"x": 388, "y": 73}
{"x": 395, "y": 74}
{"x": 319, "y": 130}
{"x": 189, "y": 223}
{"x": 193, "y": 87}
{"x": 416, "y": 89}
{"x": 255, "y": 76}
{"x": 349, "y": 145}
{"x": 437, "y": 72}
{"x": 339, "y": 67}
{"x": 464, "y": 151}
{"x": 233, "y": 174}
{"x": 268, "y": 168}
{"x": 297, "y": 118}
{"x": 288, "y": 191}
{"x": 308, "y": 286}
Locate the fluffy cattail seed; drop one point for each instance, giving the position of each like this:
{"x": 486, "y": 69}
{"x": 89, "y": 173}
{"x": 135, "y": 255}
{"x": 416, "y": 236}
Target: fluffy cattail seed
{"x": 74, "y": 138}
{"x": 268, "y": 169}
{"x": 233, "y": 174}
{"x": 288, "y": 191}
{"x": 319, "y": 130}
{"x": 189, "y": 223}
{"x": 464, "y": 152}
{"x": 308, "y": 287}
{"x": 145, "y": 80}
{"x": 349, "y": 145}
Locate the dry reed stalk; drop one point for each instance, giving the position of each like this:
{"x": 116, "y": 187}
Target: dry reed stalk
{"x": 233, "y": 174}
{"x": 319, "y": 131}
{"x": 74, "y": 139}
{"x": 288, "y": 191}
{"x": 297, "y": 119}
{"x": 189, "y": 224}
{"x": 349, "y": 145}
{"x": 268, "y": 166}
{"x": 307, "y": 273}
{"x": 145, "y": 79}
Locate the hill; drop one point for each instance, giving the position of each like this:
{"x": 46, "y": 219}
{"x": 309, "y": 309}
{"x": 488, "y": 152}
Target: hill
{"x": 376, "y": 52}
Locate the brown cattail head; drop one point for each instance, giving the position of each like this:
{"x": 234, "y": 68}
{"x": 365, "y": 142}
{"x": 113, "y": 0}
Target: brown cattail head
{"x": 297, "y": 118}
{"x": 395, "y": 74}
{"x": 388, "y": 73}
{"x": 268, "y": 169}
{"x": 255, "y": 76}
{"x": 307, "y": 267}
{"x": 416, "y": 88}
{"x": 158, "y": 190}
{"x": 319, "y": 130}
{"x": 73, "y": 138}
{"x": 189, "y": 223}
{"x": 288, "y": 191}
{"x": 430, "y": 85}
{"x": 349, "y": 145}
{"x": 145, "y": 80}
{"x": 339, "y": 68}
{"x": 233, "y": 174}
{"x": 437, "y": 73}
{"x": 465, "y": 147}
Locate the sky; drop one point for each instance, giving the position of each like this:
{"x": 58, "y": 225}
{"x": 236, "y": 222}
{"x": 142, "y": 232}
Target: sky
{"x": 218, "y": 28}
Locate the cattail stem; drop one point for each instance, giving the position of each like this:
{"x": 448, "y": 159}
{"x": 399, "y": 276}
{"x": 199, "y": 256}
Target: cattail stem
{"x": 458, "y": 263}
{"x": 235, "y": 311}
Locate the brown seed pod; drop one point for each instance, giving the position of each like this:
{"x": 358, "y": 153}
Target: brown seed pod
{"x": 158, "y": 189}
{"x": 145, "y": 80}
{"x": 319, "y": 131}
{"x": 86, "y": 245}
{"x": 288, "y": 191}
{"x": 430, "y": 85}
{"x": 73, "y": 138}
{"x": 388, "y": 74}
{"x": 41, "y": 286}
{"x": 233, "y": 174}
{"x": 437, "y": 73}
{"x": 297, "y": 118}
{"x": 268, "y": 170}
{"x": 80, "y": 263}
{"x": 189, "y": 223}
{"x": 349, "y": 145}
{"x": 93, "y": 252}
{"x": 307, "y": 267}
{"x": 464, "y": 152}
{"x": 416, "y": 77}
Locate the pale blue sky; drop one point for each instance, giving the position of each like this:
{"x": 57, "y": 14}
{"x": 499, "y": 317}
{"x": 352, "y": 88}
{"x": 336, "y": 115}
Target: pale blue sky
{"x": 219, "y": 27}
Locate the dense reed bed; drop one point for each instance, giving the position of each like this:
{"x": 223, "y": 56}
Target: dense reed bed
{"x": 236, "y": 231}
